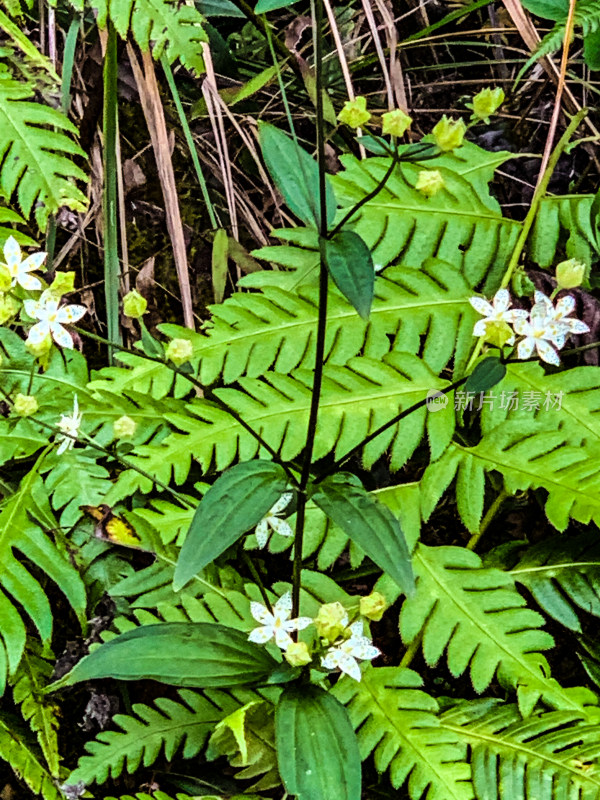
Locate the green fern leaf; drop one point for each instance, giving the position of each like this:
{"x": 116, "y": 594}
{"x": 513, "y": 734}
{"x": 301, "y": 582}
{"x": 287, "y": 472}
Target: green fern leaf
{"x": 356, "y": 399}
{"x": 161, "y": 25}
{"x": 144, "y": 376}
{"x": 397, "y": 722}
{"x": 564, "y": 221}
{"x": 171, "y": 726}
{"x": 549, "y": 756}
{"x": 17, "y": 751}
{"x": 275, "y": 329}
{"x": 401, "y": 224}
{"x": 562, "y": 575}
{"x": 477, "y": 616}
{"x": 529, "y": 457}
{"x": 36, "y": 155}
{"x": 21, "y": 516}
{"x": 33, "y": 675}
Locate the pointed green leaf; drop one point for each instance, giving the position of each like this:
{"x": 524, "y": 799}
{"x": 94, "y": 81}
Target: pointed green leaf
{"x": 296, "y": 175}
{"x": 317, "y": 749}
{"x": 272, "y": 5}
{"x": 236, "y": 502}
{"x": 192, "y": 654}
{"x": 369, "y": 524}
{"x": 350, "y": 264}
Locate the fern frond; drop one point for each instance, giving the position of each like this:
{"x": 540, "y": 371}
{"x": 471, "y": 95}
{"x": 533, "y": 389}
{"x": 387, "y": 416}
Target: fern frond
{"x": 143, "y": 376}
{"x": 549, "y": 756}
{"x": 33, "y": 675}
{"x": 21, "y": 516}
{"x": 564, "y": 221}
{"x": 562, "y": 574}
{"x": 17, "y": 751}
{"x": 356, "y": 399}
{"x": 476, "y": 615}
{"x": 163, "y": 26}
{"x": 400, "y": 224}
{"x": 36, "y": 153}
{"x": 397, "y": 722}
{"x": 171, "y": 726}
{"x": 528, "y": 456}
{"x": 275, "y": 329}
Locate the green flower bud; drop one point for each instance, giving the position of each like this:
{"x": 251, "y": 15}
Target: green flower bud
{"x": 373, "y": 606}
{"x": 395, "y": 123}
{"x": 124, "y": 427}
{"x": 354, "y": 113}
{"x": 570, "y": 274}
{"x": 179, "y": 351}
{"x": 5, "y": 279}
{"x": 498, "y": 333}
{"x": 39, "y": 349}
{"x": 25, "y": 405}
{"x": 9, "y": 308}
{"x": 298, "y": 654}
{"x": 486, "y": 103}
{"x": 449, "y": 133}
{"x": 429, "y": 182}
{"x": 331, "y": 621}
{"x": 63, "y": 283}
{"x": 134, "y": 305}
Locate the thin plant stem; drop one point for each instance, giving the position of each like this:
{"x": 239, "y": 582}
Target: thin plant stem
{"x": 317, "y": 15}
{"x": 111, "y": 225}
{"x": 257, "y": 579}
{"x": 490, "y": 514}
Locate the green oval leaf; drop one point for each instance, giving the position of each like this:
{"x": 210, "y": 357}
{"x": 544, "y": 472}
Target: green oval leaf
{"x": 317, "y": 749}
{"x": 556, "y": 10}
{"x": 368, "y": 523}
{"x": 272, "y": 5}
{"x": 195, "y": 654}
{"x": 236, "y": 502}
{"x": 296, "y": 175}
{"x": 350, "y": 264}
{"x": 486, "y": 374}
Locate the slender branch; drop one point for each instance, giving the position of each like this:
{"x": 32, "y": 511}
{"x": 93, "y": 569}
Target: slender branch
{"x": 382, "y": 428}
{"x": 490, "y": 514}
{"x": 317, "y": 15}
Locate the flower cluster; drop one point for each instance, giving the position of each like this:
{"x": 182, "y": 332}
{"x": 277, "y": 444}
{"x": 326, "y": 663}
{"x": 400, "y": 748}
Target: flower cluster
{"x": 340, "y": 645}
{"x": 544, "y": 329}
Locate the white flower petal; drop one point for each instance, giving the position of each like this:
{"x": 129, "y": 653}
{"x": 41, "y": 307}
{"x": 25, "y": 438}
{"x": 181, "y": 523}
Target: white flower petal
{"x": 32, "y": 308}
{"x": 574, "y": 326}
{"x": 260, "y": 635}
{"x": 282, "y": 638}
{"x": 481, "y": 306}
{"x": 565, "y": 306}
{"x": 282, "y": 503}
{"x": 262, "y": 533}
{"x": 260, "y": 613}
{"x": 522, "y": 327}
{"x": 12, "y": 253}
{"x": 365, "y": 650}
{"x": 283, "y": 607}
{"x": 281, "y": 526}
{"x": 547, "y": 353}
{"x": 356, "y": 629}
{"x": 331, "y": 660}
{"x": 480, "y": 328}
{"x": 349, "y": 665}
{"x": 29, "y": 282}
{"x": 61, "y": 336}
{"x": 501, "y": 300}
{"x": 33, "y": 262}
{"x": 525, "y": 348}
{"x": 515, "y": 314}
{"x": 66, "y": 444}
{"x": 300, "y": 623}
{"x": 69, "y": 314}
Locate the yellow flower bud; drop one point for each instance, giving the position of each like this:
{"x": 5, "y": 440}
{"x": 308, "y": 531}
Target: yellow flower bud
{"x": 395, "y": 123}
{"x": 485, "y": 103}
{"x": 498, "y": 333}
{"x": 570, "y": 274}
{"x": 331, "y": 621}
{"x": 373, "y": 606}
{"x": 179, "y": 351}
{"x": 63, "y": 283}
{"x": 5, "y": 278}
{"x": 40, "y": 349}
{"x": 9, "y": 307}
{"x": 134, "y": 305}
{"x": 25, "y": 405}
{"x": 124, "y": 427}
{"x": 298, "y": 654}
{"x": 449, "y": 133}
{"x": 429, "y": 182}
{"x": 354, "y": 113}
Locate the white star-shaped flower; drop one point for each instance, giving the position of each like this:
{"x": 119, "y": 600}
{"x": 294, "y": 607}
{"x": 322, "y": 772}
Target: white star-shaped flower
{"x": 51, "y": 319}
{"x": 345, "y": 656}
{"x": 496, "y": 311}
{"x": 560, "y": 313}
{"x": 271, "y": 520}
{"x": 542, "y": 334}
{"x": 277, "y": 625}
{"x": 69, "y": 424}
{"x": 20, "y": 268}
